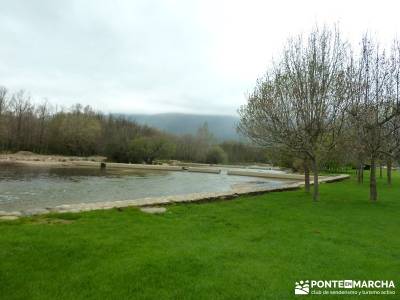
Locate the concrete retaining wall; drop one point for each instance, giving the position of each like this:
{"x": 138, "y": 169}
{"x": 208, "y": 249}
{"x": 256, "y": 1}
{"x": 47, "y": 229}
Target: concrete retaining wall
{"x": 204, "y": 170}
{"x": 266, "y": 175}
{"x": 149, "y": 167}
{"x": 129, "y": 166}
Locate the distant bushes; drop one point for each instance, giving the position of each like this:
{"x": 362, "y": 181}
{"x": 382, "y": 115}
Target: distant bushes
{"x": 216, "y": 155}
{"x": 238, "y": 152}
{"x": 147, "y": 149}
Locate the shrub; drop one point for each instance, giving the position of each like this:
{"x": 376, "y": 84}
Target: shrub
{"x": 216, "y": 155}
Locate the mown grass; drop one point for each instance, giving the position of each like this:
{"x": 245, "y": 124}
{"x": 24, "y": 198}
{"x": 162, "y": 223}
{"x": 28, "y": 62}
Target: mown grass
{"x": 248, "y": 248}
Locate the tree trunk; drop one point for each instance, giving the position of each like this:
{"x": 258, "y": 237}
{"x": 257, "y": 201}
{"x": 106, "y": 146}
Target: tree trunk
{"x": 360, "y": 173}
{"x": 373, "y": 194}
{"x": 316, "y": 186}
{"x": 306, "y": 176}
{"x": 380, "y": 170}
{"x": 389, "y": 171}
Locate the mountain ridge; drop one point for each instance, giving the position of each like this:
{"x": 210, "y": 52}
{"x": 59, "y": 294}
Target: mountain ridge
{"x": 223, "y": 127}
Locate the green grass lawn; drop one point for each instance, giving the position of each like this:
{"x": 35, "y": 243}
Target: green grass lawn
{"x": 248, "y": 248}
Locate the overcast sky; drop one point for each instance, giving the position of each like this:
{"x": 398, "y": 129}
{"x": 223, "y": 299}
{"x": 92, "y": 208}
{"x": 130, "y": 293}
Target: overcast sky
{"x": 155, "y": 56}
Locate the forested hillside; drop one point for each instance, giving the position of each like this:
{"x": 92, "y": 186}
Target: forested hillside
{"x": 82, "y": 131}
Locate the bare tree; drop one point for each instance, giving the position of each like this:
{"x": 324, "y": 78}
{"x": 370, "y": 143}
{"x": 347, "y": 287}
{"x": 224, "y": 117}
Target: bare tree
{"x": 300, "y": 103}
{"x": 394, "y": 124}
{"x": 43, "y": 114}
{"x": 22, "y": 110}
{"x": 3, "y": 108}
{"x": 391, "y": 145}
{"x": 375, "y": 102}
{"x": 3, "y": 95}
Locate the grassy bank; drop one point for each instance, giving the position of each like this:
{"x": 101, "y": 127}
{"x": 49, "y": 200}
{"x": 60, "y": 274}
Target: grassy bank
{"x": 248, "y": 248}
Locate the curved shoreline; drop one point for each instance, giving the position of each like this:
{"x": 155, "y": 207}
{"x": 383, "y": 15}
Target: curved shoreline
{"x": 165, "y": 200}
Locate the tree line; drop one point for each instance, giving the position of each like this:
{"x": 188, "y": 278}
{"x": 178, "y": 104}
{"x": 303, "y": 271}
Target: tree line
{"x": 82, "y": 131}
{"x": 325, "y": 102}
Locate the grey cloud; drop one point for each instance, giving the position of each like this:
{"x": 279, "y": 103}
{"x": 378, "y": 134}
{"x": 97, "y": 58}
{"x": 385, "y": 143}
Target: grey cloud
{"x": 152, "y": 55}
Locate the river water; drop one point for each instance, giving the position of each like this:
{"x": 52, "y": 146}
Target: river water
{"x": 25, "y": 187}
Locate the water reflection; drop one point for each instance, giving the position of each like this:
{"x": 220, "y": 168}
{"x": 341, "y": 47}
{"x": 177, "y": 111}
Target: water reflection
{"x": 13, "y": 171}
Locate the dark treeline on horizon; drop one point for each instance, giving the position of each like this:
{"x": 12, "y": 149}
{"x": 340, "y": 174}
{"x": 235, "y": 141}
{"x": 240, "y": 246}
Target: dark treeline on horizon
{"x": 82, "y": 131}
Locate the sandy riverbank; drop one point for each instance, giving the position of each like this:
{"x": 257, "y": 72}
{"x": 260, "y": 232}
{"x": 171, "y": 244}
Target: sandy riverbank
{"x": 31, "y": 158}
